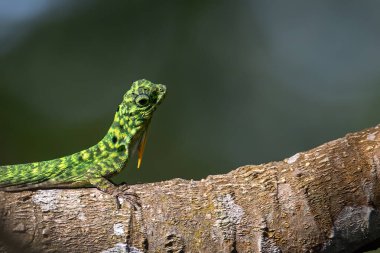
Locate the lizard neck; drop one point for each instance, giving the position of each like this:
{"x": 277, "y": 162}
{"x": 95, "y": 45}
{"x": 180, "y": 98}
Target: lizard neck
{"x": 124, "y": 133}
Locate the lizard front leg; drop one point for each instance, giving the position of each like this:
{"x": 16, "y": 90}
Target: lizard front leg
{"x": 117, "y": 191}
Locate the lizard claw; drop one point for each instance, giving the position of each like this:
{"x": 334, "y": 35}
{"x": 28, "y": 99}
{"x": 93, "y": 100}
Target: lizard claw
{"x": 122, "y": 192}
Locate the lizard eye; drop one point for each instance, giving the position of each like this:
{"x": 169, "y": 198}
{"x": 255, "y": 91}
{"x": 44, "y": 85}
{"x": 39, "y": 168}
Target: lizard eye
{"x": 142, "y": 100}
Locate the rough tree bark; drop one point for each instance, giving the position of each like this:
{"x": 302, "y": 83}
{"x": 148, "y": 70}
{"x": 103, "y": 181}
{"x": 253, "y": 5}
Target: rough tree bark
{"x": 323, "y": 200}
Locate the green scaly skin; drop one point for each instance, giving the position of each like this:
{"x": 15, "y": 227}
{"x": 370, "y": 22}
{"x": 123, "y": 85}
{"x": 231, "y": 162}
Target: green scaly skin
{"x": 97, "y": 164}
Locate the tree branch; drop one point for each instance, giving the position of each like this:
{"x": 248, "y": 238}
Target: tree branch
{"x": 324, "y": 200}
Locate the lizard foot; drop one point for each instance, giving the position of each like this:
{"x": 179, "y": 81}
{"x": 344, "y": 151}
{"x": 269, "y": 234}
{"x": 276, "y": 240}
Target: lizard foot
{"x": 123, "y": 193}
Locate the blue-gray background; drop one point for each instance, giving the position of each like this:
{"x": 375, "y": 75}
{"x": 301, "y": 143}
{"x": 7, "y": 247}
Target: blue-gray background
{"x": 248, "y": 81}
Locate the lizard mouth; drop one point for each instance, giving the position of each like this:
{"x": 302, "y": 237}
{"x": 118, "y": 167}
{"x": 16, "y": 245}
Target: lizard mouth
{"x": 162, "y": 93}
{"x": 160, "y": 97}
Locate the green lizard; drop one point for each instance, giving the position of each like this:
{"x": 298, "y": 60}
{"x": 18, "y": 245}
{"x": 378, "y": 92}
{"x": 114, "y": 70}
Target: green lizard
{"x": 97, "y": 164}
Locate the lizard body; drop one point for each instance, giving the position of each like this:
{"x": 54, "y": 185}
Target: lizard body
{"x": 97, "y": 164}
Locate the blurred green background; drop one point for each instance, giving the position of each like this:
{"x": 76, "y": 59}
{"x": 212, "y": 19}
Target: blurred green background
{"x": 248, "y": 81}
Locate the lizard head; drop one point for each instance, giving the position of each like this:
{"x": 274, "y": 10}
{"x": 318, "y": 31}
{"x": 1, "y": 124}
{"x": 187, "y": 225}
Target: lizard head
{"x": 136, "y": 110}
{"x": 141, "y": 101}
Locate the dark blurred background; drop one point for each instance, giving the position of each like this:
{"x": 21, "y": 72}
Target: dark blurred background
{"x": 248, "y": 81}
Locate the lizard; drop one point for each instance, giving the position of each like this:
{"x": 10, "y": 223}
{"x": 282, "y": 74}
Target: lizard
{"x": 95, "y": 166}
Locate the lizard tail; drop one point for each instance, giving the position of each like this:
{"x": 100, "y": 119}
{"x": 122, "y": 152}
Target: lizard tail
{"x": 25, "y": 174}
